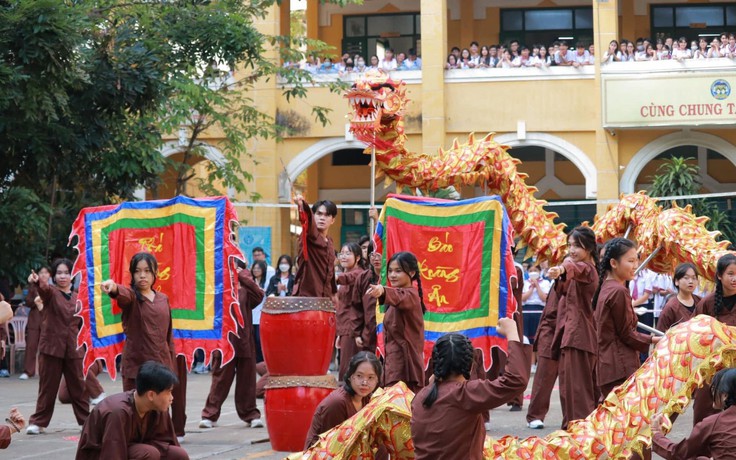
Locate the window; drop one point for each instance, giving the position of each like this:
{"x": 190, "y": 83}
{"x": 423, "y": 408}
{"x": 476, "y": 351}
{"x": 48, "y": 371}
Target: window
{"x": 692, "y": 21}
{"x": 545, "y": 25}
{"x": 373, "y": 34}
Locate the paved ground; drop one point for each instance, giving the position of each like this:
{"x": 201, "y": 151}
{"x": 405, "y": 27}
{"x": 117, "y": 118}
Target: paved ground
{"x": 230, "y": 440}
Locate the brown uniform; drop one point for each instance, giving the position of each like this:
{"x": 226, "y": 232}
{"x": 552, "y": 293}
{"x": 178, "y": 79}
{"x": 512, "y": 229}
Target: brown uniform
{"x": 546, "y": 375}
{"x": 316, "y": 274}
{"x": 403, "y": 332}
{"x": 92, "y": 386}
{"x": 148, "y": 332}
{"x": 711, "y": 438}
{"x": 703, "y": 404}
{"x": 33, "y": 332}
{"x": 149, "y": 337}
{"x": 115, "y": 431}
{"x": 674, "y": 312}
{"x": 575, "y": 341}
{"x": 619, "y": 343}
{"x": 243, "y": 365}
{"x": 4, "y": 436}
{"x": 59, "y": 355}
{"x": 353, "y": 305}
{"x": 452, "y": 428}
{"x": 332, "y": 411}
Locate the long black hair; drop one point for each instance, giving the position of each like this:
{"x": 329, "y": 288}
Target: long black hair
{"x": 55, "y": 266}
{"x": 287, "y": 258}
{"x": 152, "y": 263}
{"x": 264, "y": 272}
{"x": 358, "y": 359}
{"x": 408, "y": 263}
{"x": 615, "y": 249}
{"x": 452, "y": 355}
{"x": 585, "y": 238}
{"x": 724, "y": 382}
{"x": 357, "y": 251}
{"x": 721, "y": 266}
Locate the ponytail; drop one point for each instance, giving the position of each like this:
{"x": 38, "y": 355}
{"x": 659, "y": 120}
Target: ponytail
{"x": 615, "y": 248}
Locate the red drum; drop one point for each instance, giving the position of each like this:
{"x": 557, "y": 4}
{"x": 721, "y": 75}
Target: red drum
{"x": 290, "y": 404}
{"x": 297, "y": 335}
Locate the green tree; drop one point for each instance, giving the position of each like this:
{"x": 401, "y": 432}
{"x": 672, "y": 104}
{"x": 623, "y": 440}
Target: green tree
{"x": 90, "y": 86}
{"x": 679, "y": 176}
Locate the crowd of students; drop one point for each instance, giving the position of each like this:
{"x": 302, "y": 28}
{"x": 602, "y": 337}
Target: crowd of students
{"x": 516, "y": 54}
{"x": 587, "y": 337}
{"x": 667, "y": 48}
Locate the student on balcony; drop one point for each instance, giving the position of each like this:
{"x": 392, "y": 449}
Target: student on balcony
{"x": 565, "y": 57}
{"x": 543, "y": 60}
{"x": 715, "y": 49}
{"x": 681, "y": 51}
{"x": 702, "y": 51}
{"x": 729, "y": 49}
{"x": 523, "y": 59}
{"x": 581, "y": 56}
{"x": 612, "y": 54}
{"x": 474, "y": 54}
{"x": 388, "y": 63}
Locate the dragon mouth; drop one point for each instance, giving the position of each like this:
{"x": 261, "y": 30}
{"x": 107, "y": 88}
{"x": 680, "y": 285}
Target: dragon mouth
{"x": 366, "y": 110}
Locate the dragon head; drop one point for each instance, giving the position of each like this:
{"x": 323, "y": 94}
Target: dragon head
{"x": 377, "y": 103}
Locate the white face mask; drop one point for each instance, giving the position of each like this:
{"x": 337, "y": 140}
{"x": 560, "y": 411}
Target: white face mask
{"x": 533, "y": 275}
{"x": 284, "y": 267}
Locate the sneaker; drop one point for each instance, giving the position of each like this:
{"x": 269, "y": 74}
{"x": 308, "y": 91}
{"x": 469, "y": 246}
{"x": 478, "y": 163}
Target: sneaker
{"x": 97, "y": 400}
{"x": 35, "y": 429}
{"x": 180, "y": 439}
{"x": 256, "y": 423}
{"x": 515, "y": 408}
{"x": 23, "y": 376}
{"x": 488, "y": 426}
{"x": 200, "y": 369}
{"x": 535, "y": 424}
{"x": 4, "y": 373}
{"x": 204, "y": 423}
{"x": 534, "y": 368}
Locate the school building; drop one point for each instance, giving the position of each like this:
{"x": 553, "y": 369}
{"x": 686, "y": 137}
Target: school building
{"x": 585, "y": 133}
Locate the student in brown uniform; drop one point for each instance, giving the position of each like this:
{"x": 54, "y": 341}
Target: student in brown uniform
{"x": 242, "y": 367}
{"x": 58, "y": 347}
{"x": 135, "y": 424}
{"x": 146, "y": 322}
{"x": 619, "y": 343}
{"x": 33, "y": 329}
{"x": 719, "y": 305}
{"x": 680, "y": 308}
{"x": 712, "y": 438}
{"x": 315, "y": 276}
{"x": 359, "y": 382}
{"x": 403, "y": 322}
{"x": 446, "y": 421}
{"x": 352, "y": 285}
{"x": 546, "y": 375}
{"x": 14, "y": 423}
{"x": 575, "y": 338}
{"x": 93, "y": 390}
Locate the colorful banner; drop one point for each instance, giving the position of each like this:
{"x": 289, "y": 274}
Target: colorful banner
{"x": 193, "y": 243}
{"x": 465, "y": 260}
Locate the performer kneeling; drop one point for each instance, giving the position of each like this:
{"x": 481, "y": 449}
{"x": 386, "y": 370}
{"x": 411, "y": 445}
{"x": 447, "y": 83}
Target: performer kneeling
{"x": 134, "y": 424}
{"x": 360, "y": 381}
{"x": 446, "y": 419}
{"x": 711, "y": 438}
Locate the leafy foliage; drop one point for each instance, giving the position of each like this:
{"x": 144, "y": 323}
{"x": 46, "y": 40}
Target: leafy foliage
{"x": 679, "y": 176}
{"x": 89, "y": 87}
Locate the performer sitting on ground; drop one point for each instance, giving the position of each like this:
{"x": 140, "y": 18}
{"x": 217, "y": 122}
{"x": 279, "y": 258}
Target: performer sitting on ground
{"x": 15, "y": 423}
{"x": 316, "y": 258}
{"x": 711, "y": 438}
{"x": 403, "y": 322}
{"x": 446, "y": 417}
{"x": 360, "y": 381}
{"x": 134, "y": 424}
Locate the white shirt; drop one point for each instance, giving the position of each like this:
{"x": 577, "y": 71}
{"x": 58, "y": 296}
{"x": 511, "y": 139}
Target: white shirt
{"x": 520, "y": 62}
{"x": 387, "y": 65}
{"x": 641, "y": 284}
{"x": 534, "y": 298}
{"x": 582, "y": 58}
{"x": 682, "y": 54}
{"x": 663, "y": 282}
